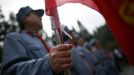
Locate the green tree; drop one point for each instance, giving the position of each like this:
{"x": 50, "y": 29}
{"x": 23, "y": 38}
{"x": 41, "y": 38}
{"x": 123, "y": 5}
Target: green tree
{"x": 1, "y": 31}
{"x": 7, "y": 26}
{"x": 105, "y": 37}
{"x": 83, "y": 32}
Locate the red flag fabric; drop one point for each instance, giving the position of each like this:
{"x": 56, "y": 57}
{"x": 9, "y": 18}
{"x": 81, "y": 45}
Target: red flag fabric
{"x": 119, "y": 15}
{"x": 51, "y": 4}
{"x": 51, "y": 11}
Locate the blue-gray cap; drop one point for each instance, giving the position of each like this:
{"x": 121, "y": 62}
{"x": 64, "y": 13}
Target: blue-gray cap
{"x": 26, "y": 10}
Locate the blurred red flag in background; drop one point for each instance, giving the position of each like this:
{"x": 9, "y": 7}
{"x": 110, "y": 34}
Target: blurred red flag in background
{"x": 119, "y": 15}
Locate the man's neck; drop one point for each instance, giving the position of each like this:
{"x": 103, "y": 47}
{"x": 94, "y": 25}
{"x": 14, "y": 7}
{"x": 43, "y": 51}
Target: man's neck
{"x": 32, "y": 31}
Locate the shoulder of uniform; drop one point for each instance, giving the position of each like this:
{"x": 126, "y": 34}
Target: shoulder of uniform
{"x": 13, "y": 35}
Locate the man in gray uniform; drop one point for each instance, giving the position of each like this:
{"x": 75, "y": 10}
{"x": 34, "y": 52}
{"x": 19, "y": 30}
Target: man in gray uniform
{"x": 25, "y": 53}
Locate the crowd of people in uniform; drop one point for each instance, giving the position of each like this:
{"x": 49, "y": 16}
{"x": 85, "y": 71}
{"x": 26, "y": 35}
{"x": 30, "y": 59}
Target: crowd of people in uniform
{"x": 95, "y": 58}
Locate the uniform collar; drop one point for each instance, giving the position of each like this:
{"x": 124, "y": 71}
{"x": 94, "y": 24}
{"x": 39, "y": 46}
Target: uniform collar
{"x": 30, "y": 33}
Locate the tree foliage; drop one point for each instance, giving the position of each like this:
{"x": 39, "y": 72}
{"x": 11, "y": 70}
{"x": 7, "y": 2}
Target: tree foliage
{"x": 7, "y": 26}
{"x": 105, "y": 37}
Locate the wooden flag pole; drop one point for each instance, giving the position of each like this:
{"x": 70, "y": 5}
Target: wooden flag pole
{"x": 54, "y": 17}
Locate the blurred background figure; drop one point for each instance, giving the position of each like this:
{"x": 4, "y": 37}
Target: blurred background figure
{"x": 128, "y": 71}
{"x": 80, "y": 62}
{"x": 119, "y": 56}
{"x": 106, "y": 59}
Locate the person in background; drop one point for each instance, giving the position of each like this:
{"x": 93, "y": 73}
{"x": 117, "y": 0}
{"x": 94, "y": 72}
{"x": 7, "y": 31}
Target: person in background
{"x": 106, "y": 60}
{"x": 128, "y": 71}
{"x": 81, "y": 64}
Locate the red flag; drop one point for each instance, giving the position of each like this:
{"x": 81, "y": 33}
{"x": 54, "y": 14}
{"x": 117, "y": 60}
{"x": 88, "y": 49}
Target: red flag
{"x": 51, "y": 4}
{"x": 51, "y": 10}
{"x": 119, "y": 14}
{"x": 53, "y": 13}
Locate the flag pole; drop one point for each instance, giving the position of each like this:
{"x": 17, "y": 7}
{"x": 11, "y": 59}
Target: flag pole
{"x": 56, "y": 26}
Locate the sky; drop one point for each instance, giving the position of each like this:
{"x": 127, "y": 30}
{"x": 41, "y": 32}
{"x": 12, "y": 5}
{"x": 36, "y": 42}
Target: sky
{"x": 69, "y": 13}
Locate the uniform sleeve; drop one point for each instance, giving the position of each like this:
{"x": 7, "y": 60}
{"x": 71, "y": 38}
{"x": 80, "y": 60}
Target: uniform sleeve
{"x": 16, "y": 61}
